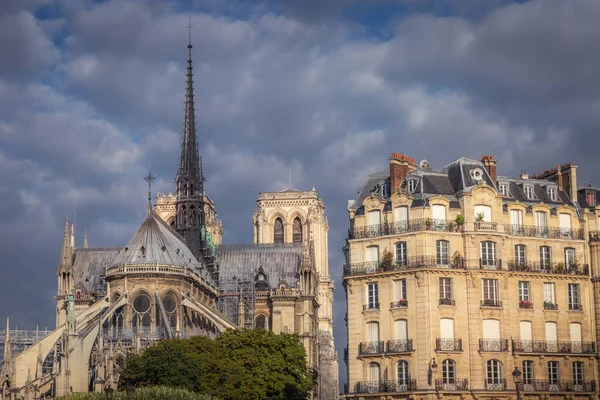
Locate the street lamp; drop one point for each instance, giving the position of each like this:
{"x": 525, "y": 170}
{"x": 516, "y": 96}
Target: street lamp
{"x": 431, "y": 370}
{"x": 517, "y": 378}
{"x": 109, "y": 392}
{"x": 130, "y": 392}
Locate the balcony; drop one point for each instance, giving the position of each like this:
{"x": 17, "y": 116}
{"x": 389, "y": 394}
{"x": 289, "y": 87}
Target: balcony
{"x": 486, "y": 226}
{"x": 451, "y": 384}
{"x": 495, "y": 345}
{"x": 548, "y": 267}
{"x": 495, "y": 385}
{"x": 575, "y": 307}
{"x": 395, "y": 228}
{"x": 544, "y": 385}
{"x": 399, "y": 304}
{"x": 548, "y": 305}
{"x": 371, "y": 306}
{"x": 400, "y": 385}
{"x": 416, "y": 262}
{"x": 551, "y": 346}
{"x": 491, "y": 303}
{"x": 494, "y": 264}
{"x": 371, "y": 348}
{"x": 399, "y": 346}
{"x": 544, "y": 232}
{"x": 443, "y": 344}
{"x": 447, "y": 302}
{"x": 525, "y": 304}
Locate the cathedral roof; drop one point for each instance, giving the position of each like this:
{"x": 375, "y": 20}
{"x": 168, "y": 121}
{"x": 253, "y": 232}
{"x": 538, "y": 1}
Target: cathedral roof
{"x": 156, "y": 242}
{"x": 89, "y": 265}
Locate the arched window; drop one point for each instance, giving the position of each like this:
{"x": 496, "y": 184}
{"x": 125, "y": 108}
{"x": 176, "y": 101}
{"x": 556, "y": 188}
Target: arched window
{"x": 170, "y": 305}
{"x": 448, "y": 372}
{"x": 278, "y": 231}
{"x": 297, "y": 230}
{"x": 261, "y": 321}
{"x": 141, "y": 311}
{"x": 403, "y": 373}
{"x": 494, "y": 375}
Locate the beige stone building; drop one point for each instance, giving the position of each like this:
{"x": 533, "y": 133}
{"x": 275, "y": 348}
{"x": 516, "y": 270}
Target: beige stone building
{"x": 459, "y": 281}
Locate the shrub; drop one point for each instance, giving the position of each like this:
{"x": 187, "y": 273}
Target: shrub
{"x": 143, "y": 393}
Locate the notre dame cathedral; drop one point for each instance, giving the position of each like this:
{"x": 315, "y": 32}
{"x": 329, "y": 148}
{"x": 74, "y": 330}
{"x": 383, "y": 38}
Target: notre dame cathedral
{"x": 175, "y": 278}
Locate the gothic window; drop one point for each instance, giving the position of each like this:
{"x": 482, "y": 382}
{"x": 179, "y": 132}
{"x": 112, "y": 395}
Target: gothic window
{"x": 170, "y": 305}
{"x": 278, "y": 231}
{"x": 297, "y": 230}
{"x": 261, "y": 321}
{"x": 141, "y": 311}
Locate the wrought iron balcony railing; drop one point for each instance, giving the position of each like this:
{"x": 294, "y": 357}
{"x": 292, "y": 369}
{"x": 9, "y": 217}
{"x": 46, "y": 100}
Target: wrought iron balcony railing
{"x": 415, "y": 262}
{"x": 486, "y": 226}
{"x": 548, "y": 267}
{"x": 495, "y": 385}
{"x": 370, "y": 348}
{"x": 399, "y": 346}
{"x": 490, "y": 263}
{"x": 399, "y": 304}
{"x": 395, "y": 228}
{"x": 493, "y": 344}
{"x": 450, "y": 384}
{"x": 594, "y": 236}
{"x": 575, "y": 307}
{"x": 551, "y": 346}
{"x": 544, "y": 232}
{"x": 391, "y": 386}
{"x": 443, "y": 344}
{"x": 548, "y": 305}
{"x": 371, "y": 306}
{"x": 545, "y": 385}
{"x": 447, "y": 302}
{"x": 525, "y": 304}
{"x": 491, "y": 303}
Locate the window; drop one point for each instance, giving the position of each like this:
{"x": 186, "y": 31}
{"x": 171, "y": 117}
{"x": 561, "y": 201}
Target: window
{"x": 577, "y": 373}
{"x": 520, "y": 254}
{"x": 516, "y": 217}
{"x": 373, "y": 254}
{"x": 545, "y": 257}
{"x": 372, "y": 295}
{"x": 442, "y": 252}
{"x": 494, "y": 373}
{"x": 488, "y": 254}
{"x": 401, "y": 218}
{"x": 490, "y": 289}
{"x": 374, "y": 372}
{"x": 384, "y": 190}
{"x": 297, "y": 230}
{"x": 403, "y": 373}
{"x": 374, "y": 217}
{"x": 574, "y": 303}
{"x": 448, "y": 372}
{"x": 523, "y": 291}
{"x": 552, "y": 372}
{"x": 529, "y": 192}
{"x": 527, "y": 372}
{"x": 591, "y": 199}
{"x": 549, "y": 293}
{"x": 373, "y": 331}
{"x": 484, "y": 213}
{"x": 552, "y": 193}
{"x": 569, "y": 257}
{"x": 261, "y": 321}
{"x": 504, "y": 189}
{"x": 278, "y": 231}
{"x": 446, "y": 291}
{"x": 541, "y": 222}
{"x": 401, "y": 257}
{"x": 400, "y": 289}
{"x": 411, "y": 186}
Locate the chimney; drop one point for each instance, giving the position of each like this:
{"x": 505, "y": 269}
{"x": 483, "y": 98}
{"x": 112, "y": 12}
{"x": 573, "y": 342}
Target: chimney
{"x": 489, "y": 162}
{"x": 400, "y": 166}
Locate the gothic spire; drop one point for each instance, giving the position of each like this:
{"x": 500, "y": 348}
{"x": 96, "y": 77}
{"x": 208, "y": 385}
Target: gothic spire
{"x": 85, "y": 239}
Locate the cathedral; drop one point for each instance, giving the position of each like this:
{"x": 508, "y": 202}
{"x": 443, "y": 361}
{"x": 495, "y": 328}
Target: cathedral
{"x": 175, "y": 278}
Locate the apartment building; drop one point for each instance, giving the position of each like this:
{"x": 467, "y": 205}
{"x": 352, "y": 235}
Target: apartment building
{"x": 464, "y": 284}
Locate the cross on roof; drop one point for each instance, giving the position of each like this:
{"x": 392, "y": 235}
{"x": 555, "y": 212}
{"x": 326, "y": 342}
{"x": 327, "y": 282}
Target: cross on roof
{"x": 150, "y": 178}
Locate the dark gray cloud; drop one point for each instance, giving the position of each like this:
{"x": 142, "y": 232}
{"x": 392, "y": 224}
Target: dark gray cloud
{"x": 274, "y": 91}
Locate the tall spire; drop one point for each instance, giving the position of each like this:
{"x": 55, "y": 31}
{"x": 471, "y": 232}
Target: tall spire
{"x": 85, "y": 239}
{"x": 65, "y": 253}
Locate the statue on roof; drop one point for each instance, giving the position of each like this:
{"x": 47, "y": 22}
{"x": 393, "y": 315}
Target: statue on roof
{"x": 209, "y": 243}
{"x": 71, "y": 314}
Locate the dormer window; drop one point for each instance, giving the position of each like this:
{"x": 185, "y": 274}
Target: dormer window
{"x": 529, "y": 192}
{"x": 477, "y": 174}
{"x": 591, "y": 199}
{"x": 411, "y": 186}
{"x": 384, "y": 190}
{"x": 552, "y": 193}
{"x": 503, "y": 189}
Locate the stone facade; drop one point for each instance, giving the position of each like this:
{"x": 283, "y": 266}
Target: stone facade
{"x": 454, "y": 279}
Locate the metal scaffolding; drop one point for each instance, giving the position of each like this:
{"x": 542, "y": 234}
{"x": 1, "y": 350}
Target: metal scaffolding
{"x": 236, "y": 285}
{"x": 20, "y": 340}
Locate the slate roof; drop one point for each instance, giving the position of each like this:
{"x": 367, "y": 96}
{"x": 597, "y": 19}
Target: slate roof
{"x": 582, "y": 198}
{"x": 516, "y": 191}
{"x": 89, "y": 265}
{"x": 277, "y": 260}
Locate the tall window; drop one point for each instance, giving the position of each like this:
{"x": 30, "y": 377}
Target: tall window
{"x": 516, "y": 217}
{"x": 278, "y": 231}
{"x": 261, "y": 321}
{"x": 523, "y": 291}
{"x": 141, "y": 311}
{"x": 488, "y": 253}
{"x": 400, "y": 289}
{"x": 372, "y": 254}
{"x": 549, "y": 295}
{"x": 448, "y": 372}
{"x": 373, "y": 331}
{"x": 494, "y": 373}
{"x": 541, "y": 223}
{"x": 504, "y": 189}
{"x": 401, "y": 218}
{"x": 374, "y": 372}
{"x": 411, "y": 186}
{"x": 545, "y": 257}
{"x": 520, "y": 254}
{"x": 442, "y": 252}
{"x": 527, "y": 372}
{"x": 490, "y": 289}
{"x": 403, "y": 373}
{"x": 372, "y": 295}
{"x": 553, "y": 372}
{"x": 578, "y": 373}
{"x": 569, "y": 257}
{"x": 529, "y": 192}
{"x": 374, "y": 217}
{"x": 552, "y": 193}
{"x": 401, "y": 257}
{"x": 446, "y": 290}
{"x": 574, "y": 303}
{"x": 591, "y": 199}
{"x": 297, "y": 230}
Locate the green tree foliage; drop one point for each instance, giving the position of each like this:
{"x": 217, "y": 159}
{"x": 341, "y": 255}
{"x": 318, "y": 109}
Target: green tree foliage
{"x": 143, "y": 393}
{"x": 238, "y": 365}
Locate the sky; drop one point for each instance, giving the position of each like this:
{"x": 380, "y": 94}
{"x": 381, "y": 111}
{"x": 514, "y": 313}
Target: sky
{"x": 92, "y": 93}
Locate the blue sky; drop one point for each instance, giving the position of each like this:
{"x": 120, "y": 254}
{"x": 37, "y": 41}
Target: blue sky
{"x": 91, "y": 93}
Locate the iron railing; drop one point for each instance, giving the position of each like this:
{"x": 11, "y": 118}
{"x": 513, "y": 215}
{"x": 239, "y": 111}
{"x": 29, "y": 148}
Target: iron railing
{"x": 399, "y": 346}
{"x": 447, "y": 302}
{"x": 495, "y": 385}
{"x": 486, "y": 226}
{"x": 552, "y": 346}
{"x": 415, "y": 262}
{"x": 449, "y": 384}
{"x": 399, "y": 304}
{"x": 371, "y": 306}
{"x": 544, "y": 232}
{"x": 491, "y": 303}
{"x": 395, "y": 228}
{"x": 575, "y": 307}
{"x": 391, "y": 386}
{"x": 545, "y": 385}
{"x": 369, "y": 348}
{"x": 525, "y": 304}
{"x": 493, "y": 344}
{"x": 550, "y": 306}
{"x": 443, "y": 344}
{"x": 490, "y": 263}
{"x": 547, "y": 267}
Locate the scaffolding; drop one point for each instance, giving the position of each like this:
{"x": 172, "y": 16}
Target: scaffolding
{"x": 236, "y": 300}
{"x": 20, "y": 340}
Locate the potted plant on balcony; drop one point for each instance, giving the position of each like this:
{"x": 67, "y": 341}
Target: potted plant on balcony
{"x": 457, "y": 260}
{"x": 548, "y": 305}
{"x": 387, "y": 261}
{"x": 525, "y": 304}
{"x": 460, "y": 220}
{"x": 573, "y": 266}
{"x": 560, "y": 267}
{"x": 428, "y": 223}
{"x": 489, "y": 302}
{"x": 451, "y": 227}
